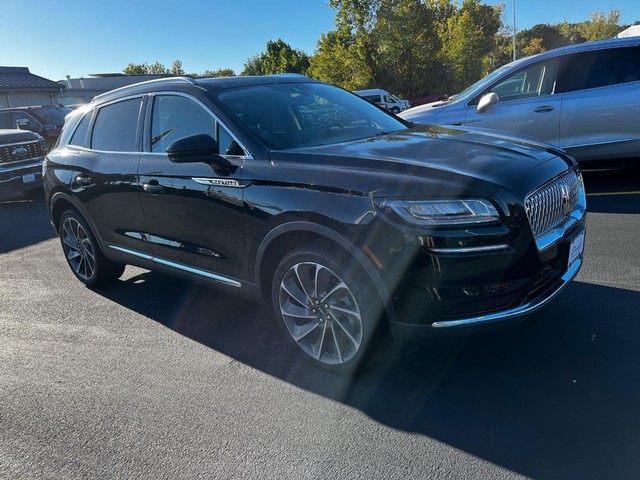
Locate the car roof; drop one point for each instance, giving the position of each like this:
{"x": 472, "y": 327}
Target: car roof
{"x": 206, "y": 84}
{"x": 580, "y": 47}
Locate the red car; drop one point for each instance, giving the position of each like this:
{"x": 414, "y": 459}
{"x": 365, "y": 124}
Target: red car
{"x": 47, "y": 120}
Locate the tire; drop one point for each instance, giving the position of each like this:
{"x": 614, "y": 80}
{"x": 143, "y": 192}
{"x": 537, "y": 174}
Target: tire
{"x": 395, "y": 110}
{"x": 83, "y": 255}
{"x": 326, "y": 305}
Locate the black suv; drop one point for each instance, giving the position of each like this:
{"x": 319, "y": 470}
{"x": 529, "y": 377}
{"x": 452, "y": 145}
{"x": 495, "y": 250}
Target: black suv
{"x": 47, "y": 120}
{"x": 21, "y": 157}
{"x": 342, "y": 216}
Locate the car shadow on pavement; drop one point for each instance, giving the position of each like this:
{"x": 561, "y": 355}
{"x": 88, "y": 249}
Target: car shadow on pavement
{"x": 23, "y": 222}
{"x": 556, "y": 396}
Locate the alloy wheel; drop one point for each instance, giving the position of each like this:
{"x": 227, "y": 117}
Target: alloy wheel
{"x": 320, "y": 313}
{"x": 78, "y": 249}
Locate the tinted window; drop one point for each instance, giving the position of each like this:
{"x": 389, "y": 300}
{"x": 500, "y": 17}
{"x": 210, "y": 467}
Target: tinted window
{"x": 79, "y": 137}
{"x": 5, "y": 120}
{"x": 53, "y": 115}
{"x": 32, "y": 123}
{"x": 600, "y": 68}
{"x": 177, "y": 117}
{"x": 533, "y": 81}
{"x": 116, "y": 127}
{"x": 305, "y": 114}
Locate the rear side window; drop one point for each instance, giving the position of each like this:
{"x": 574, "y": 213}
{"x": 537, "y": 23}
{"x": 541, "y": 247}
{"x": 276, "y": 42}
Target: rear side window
{"x": 5, "y": 120}
{"x": 79, "y": 137}
{"x": 601, "y": 68}
{"x": 115, "y": 129}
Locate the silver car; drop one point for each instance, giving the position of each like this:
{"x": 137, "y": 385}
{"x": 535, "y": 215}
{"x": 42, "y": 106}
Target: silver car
{"x": 583, "y": 98}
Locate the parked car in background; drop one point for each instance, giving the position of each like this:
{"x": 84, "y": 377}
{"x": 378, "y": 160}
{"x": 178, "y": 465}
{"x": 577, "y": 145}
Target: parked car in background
{"x": 582, "y": 98}
{"x": 343, "y": 217}
{"x": 21, "y": 157}
{"x": 47, "y": 120}
{"x": 435, "y": 97}
{"x": 384, "y": 99}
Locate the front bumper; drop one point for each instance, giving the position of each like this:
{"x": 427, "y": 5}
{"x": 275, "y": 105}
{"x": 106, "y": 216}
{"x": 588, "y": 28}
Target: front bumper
{"x": 489, "y": 299}
{"x": 21, "y": 177}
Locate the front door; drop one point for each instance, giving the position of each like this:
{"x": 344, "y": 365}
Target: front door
{"x": 194, "y": 212}
{"x": 527, "y": 104}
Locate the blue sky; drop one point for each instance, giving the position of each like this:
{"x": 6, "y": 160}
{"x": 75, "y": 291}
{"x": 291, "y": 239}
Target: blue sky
{"x": 72, "y": 37}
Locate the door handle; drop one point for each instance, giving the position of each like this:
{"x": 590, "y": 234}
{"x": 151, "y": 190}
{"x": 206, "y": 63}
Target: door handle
{"x": 84, "y": 179}
{"x": 153, "y": 187}
{"x": 545, "y": 109}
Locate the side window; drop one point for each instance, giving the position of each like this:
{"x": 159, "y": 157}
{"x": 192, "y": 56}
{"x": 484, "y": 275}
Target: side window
{"x": 600, "y": 68}
{"x": 79, "y": 137}
{"x": 5, "y": 120}
{"x": 534, "y": 81}
{"x": 373, "y": 98}
{"x": 228, "y": 146}
{"x": 32, "y": 123}
{"x": 116, "y": 126}
{"x": 176, "y": 117}
{"x": 388, "y": 99}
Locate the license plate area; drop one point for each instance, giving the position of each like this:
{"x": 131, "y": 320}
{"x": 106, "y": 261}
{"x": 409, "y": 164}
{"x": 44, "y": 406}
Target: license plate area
{"x": 576, "y": 248}
{"x": 29, "y": 178}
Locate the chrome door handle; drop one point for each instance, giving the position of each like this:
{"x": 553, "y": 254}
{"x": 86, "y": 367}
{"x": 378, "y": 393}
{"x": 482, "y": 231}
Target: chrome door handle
{"x": 84, "y": 179}
{"x": 153, "y": 187}
{"x": 545, "y": 109}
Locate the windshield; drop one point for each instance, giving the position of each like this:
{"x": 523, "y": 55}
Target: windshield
{"x": 480, "y": 84}
{"x": 54, "y": 115}
{"x": 294, "y": 115}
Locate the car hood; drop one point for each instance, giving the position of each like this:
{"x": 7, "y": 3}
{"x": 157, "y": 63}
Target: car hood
{"x": 452, "y": 160}
{"x": 15, "y": 136}
{"x": 422, "y": 112}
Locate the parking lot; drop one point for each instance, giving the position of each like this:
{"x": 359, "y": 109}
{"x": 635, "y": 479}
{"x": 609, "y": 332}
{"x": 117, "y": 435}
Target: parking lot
{"x": 157, "y": 378}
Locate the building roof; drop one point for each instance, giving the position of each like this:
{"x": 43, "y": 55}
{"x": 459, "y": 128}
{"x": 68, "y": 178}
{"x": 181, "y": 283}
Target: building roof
{"x": 19, "y": 78}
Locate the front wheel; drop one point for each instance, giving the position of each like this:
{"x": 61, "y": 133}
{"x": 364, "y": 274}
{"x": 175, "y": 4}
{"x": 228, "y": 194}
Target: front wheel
{"x": 326, "y": 305}
{"x": 81, "y": 250}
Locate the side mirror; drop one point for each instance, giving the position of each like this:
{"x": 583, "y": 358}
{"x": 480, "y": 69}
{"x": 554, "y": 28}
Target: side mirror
{"x": 486, "y": 101}
{"x": 199, "y": 148}
{"x": 23, "y": 124}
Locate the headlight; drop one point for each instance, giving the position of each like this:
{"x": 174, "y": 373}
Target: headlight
{"x": 443, "y": 212}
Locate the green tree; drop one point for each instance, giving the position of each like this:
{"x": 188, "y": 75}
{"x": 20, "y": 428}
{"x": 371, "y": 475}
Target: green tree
{"x": 221, "y": 72}
{"x": 601, "y": 26}
{"x": 279, "y": 57}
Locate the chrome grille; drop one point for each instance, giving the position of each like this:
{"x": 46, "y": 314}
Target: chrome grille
{"x": 34, "y": 150}
{"x": 554, "y": 207}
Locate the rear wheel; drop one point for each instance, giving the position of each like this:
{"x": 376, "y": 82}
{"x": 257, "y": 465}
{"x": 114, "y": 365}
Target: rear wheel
{"x": 326, "y": 305}
{"x": 81, "y": 250}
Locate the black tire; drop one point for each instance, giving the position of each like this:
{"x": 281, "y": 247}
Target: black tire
{"x": 334, "y": 315}
{"x": 395, "y": 110}
{"x": 83, "y": 254}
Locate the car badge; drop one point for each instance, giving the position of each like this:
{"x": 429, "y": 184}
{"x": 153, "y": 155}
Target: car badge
{"x": 20, "y": 152}
{"x": 565, "y": 192}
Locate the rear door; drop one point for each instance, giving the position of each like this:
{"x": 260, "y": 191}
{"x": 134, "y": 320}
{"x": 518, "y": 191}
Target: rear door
{"x": 527, "y": 104}
{"x": 194, "y": 213}
{"x": 104, "y": 178}
{"x": 600, "y": 93}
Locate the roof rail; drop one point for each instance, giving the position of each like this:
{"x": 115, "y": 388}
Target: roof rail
{"x": 189, "y": 80}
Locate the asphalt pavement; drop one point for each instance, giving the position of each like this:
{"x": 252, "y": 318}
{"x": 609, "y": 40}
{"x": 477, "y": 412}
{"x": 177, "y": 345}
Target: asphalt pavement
{"x": 152, "y": 377}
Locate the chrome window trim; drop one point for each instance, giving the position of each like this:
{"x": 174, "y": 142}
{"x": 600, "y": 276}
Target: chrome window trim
{"x": 178, "y": 266}
{"x": 152, "y": 96}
